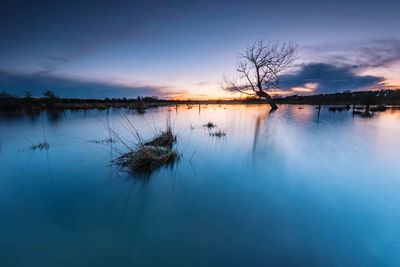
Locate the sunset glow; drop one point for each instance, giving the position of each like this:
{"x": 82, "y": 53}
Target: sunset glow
{"x": 192, "y": 133}
{"x": 176, "y": 53}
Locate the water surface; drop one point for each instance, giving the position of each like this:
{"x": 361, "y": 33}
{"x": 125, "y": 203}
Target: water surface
{"x": 289, "y": 188}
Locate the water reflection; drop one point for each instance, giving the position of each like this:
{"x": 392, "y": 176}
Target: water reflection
{"x": 262, "y": 117}
{"x": 288, "y": 188}
{"x": 54, "y": 115}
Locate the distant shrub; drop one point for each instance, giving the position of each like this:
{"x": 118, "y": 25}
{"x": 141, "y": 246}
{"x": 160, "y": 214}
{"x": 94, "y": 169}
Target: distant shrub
{"x": 28, "y": 94}
{"x": 5, "y": 95}
{"x": 210, "y": 125}
{"x": 50, "y": 94}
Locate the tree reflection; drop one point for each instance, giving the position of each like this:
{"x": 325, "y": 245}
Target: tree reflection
{"x": 260, "y": 118}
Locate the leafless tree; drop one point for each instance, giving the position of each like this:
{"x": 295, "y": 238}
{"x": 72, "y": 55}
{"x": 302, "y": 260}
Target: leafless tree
{"x": 260, "y": 68}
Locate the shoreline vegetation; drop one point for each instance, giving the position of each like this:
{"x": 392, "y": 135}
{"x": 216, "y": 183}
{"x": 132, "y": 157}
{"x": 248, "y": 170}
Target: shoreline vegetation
{"x": 145, "y": 157}
{"x": 16, "y": 103}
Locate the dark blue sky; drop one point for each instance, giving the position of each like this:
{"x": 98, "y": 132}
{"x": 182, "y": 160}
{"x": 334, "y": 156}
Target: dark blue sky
{"x": 182, "y": 48}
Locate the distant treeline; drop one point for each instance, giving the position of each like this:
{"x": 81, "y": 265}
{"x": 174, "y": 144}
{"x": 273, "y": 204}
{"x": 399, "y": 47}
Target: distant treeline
{"x": 387, "y": 97}
{"x": 49, "y": 100}
{"x": 10, "y": 102}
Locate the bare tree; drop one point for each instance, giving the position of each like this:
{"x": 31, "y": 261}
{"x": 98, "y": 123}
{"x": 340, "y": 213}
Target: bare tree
{"x": 260, "y": 68}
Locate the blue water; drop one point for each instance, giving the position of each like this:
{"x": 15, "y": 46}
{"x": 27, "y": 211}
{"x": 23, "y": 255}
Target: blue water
{"x": 282, "y": 189}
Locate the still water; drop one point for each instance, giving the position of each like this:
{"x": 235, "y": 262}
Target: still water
{"x": 282, "y": 189}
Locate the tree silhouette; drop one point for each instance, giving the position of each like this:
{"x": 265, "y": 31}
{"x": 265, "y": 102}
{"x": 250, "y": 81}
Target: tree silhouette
{"x": 260, "y": 68}
{"x": 50, "y": 94}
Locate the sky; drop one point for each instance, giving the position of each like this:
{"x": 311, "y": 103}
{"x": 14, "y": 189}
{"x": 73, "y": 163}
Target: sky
{"x": 182, "y": 49}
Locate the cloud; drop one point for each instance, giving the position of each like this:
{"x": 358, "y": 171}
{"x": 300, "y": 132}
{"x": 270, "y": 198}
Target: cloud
{"x": 379, "y": 53}
{"x": 17, "y": 83}
{"x": 205, "y": 83}
{"x": 55, "y": 59}
{"x": 328, "y": 78}
{"x": 362, "y": 55}
{"x": 336, "y": 67}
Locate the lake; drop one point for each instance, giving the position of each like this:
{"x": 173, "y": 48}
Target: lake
{"x": 288, "y": 188}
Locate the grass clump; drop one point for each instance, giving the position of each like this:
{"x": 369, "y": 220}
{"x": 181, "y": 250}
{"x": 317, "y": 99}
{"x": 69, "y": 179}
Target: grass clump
{"x": 218, "y": 133}
{"x": 210, "y": 124}
{"x": 108, "y": 140}
{"x": 146, "y": 159}
{"x": 149, "y": 156}
{"x": 163, "y": 139}
{"x": 40, "y": 146}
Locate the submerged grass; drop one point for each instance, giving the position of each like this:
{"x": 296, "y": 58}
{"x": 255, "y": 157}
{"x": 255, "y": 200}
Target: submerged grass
{"x": 143, "y": 157}
{"x": 40, "y": 146}
{"x": 218, "y": 133}
{"x": 108, "y": 140}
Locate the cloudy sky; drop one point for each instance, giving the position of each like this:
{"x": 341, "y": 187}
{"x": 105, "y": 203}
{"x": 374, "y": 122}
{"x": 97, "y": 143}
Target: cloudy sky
{"x": 182, "y": 48}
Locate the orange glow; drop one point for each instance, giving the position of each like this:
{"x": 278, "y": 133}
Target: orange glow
{"x": 280, "y": 92}
{"x": 219, "y": 94}
{"x": 191, "y": 96}
{"x": 308, "y": 88}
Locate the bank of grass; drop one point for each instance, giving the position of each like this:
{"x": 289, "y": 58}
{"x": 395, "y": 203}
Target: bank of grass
{"x": 149, "y": 156}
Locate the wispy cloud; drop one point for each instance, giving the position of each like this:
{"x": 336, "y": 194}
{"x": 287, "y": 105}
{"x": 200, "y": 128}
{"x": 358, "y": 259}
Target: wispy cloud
{"x": 338, "y": 67}
{"x": 36, "y": 83}
{"x": 55, "y": 59}
{"x": 203, "y": 83}
{"x": 328, "y": 78}
{"x": 362, "y": 55}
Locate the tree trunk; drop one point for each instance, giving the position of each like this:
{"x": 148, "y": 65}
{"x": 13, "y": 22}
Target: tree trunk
{"x": 269, "y": 99}
{"x": 272, "y": 104}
